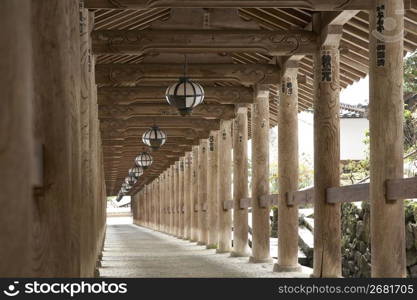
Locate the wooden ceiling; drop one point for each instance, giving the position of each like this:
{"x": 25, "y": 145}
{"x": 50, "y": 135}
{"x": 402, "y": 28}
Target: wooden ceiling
{"x": 127, "y": 110}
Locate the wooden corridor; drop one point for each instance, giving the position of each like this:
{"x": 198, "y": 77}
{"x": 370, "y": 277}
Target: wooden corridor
{"x": 132, "y": 251}
{"x": 82, "y": 82}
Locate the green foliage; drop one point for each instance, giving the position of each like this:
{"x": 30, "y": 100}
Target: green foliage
{"x": 306, "y": 172}
{"x": 410, "y": 129}
{"x": 410, "y": 74}
{"x": 354, "y": 171}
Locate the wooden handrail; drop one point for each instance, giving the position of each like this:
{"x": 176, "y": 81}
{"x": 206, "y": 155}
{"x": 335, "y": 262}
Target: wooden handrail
{"x": 397, "y": 189}
{"x": 349, "y": 193}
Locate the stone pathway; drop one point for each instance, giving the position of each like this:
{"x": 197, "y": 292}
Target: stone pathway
{"x": 132, "y": 251}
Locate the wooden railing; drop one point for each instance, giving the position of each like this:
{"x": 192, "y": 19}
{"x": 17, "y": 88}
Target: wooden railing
{"x": 396, "y": 189}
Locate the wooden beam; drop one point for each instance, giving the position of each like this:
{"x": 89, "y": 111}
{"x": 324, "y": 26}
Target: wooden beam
{"x": 131, "y": 74}
{"x": 350, "y": 193}
{"x": 150, "y": 94}
{"x": 139, "y": 131}
{"x": 139, "y": 42}
{"x": 301, "y": 197}
{"x": 399, "y": 189}
{"x": 217, "y": 111}
{"x": 163, "y": 122}
{"x": 316, "y": 5}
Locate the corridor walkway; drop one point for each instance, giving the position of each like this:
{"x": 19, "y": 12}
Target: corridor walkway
{"x": 132, "y": 251}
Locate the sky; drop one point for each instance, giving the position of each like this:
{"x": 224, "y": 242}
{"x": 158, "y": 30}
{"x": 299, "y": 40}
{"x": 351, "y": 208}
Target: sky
{"x": 357, "y": 93}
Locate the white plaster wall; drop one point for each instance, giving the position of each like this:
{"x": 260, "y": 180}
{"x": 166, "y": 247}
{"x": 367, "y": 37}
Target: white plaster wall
{"x": 352, "y": 134}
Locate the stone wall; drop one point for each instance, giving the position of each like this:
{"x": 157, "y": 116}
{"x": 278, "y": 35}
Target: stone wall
{"x": 356, "y": 239}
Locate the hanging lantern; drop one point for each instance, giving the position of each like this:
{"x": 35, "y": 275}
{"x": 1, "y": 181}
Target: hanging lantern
{"x": 136, "y": 172}
{"x": 144, "y": 160}
{"x": 154, "y": 138}
{"x": 185, "y": 94}
{"x": 125, "y": 188}
{"x": 119, "y": 196}
{"x": 130, "y": 180}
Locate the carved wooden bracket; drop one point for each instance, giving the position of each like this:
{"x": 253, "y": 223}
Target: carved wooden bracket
{"x": 139, "y": 42}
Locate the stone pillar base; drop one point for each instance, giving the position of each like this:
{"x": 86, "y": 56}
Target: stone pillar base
{"x": 201, "y": 244}
{"x": 286, "y": 269}
{"x": 254, "y": 260}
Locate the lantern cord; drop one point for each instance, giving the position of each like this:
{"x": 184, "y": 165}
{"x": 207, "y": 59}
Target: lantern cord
{"x": 185, "y": 65}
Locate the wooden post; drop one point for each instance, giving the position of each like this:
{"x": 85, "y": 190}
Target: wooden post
{"x": 96, "y": 190}
{"x": 56, "y": 31}
{"x": 260, "y": 176}
{"x": 288, "y": 171}
{"x": 187, "y": 196}
{"x": 162, "y": 201}
{"x": 240, "y": 183}
{"x": 386, "y": 105}
{"x": 212, "y": 191}
{"x": 87, "y": 202}
{"x": 177, "y": 198}
{"x": 146, "y": 200}
{"x": 154, "y": 206}
{"x": 225, "y": 187}
{"x": 194, "y": 215}
{"x": 327, "y": 227}
{"x": 202, "y": 192}
{"x": 181, "y": 197}
{"x": 16, "y": 140}
{"x": 166, "y": 196}
{"x": 171, "y": 200}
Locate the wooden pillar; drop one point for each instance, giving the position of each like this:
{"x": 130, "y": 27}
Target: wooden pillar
{"x": 177, "y": 198}
{"x": 195, "y": 209}
{"x": 153, "y": 205}
{"x": 181, "y": 197}
{"x": 171, "y": 201}
{"x": 240, "y": 183}
{"x": 327, "y": 227}
{"x": 225, "y": 187}
{"x": 166, "y": 201}
{"x": 16, "y": 140}
{"x": 202, "y": 192}
{"x": 87, "y": 202}
{"x": 162, "y": 202}
{"x": 146, "y": 200}
{"x": 56, "y": 53}
{"x": 143, "y": 206}
{"x": 187, "y": 195}
{"x": 212, "y": 191}
{"x": 97, "y": 189}
{"x": 386, "y": 116}
{"x": 288, "y": 171}
{"x": 260, "y": 176}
